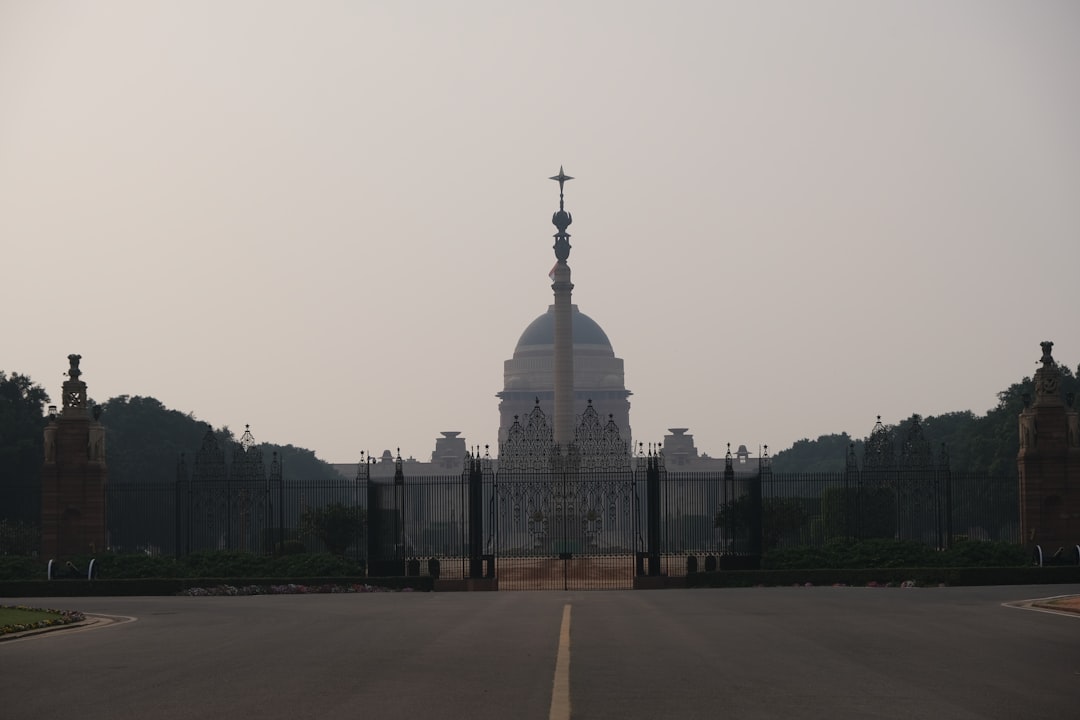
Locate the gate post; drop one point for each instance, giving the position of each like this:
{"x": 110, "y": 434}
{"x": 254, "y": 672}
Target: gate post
{"x": 399, "y": 499}
{"x": 374, "y": 530}
{"x": 946, "y": 479}
{"x": 652, "y": 505}
{"x": 754, "y": 542}
{"x": 727, "y": 540}
{"x": 849, "y": 504}
{"x": 476, "y": 515}
{"x": 181, "y": 476}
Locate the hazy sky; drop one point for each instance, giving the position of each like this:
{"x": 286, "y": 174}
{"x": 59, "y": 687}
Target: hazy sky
{"x": 331, "y": 220}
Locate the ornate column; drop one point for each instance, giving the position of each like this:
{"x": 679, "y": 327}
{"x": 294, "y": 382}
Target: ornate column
{"x": 564, "y": 327}
{"x": 73, "y": 475}
{"x": 1049, "y": 461}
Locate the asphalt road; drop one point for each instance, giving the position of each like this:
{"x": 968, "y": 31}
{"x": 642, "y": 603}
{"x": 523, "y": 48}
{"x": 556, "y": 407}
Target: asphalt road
{"x": 751, "y": 653}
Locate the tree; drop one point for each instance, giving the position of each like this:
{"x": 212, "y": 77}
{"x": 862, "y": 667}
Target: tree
{"x": 145, "y": 439}
{"x": 988, "y": 443}
{"x": 780, "y": 519}
{"x": 22, "y": 452}
{"x": 337, "y": 525}
{"x": 145, "y": 442}
{"x": 22, "y": 424}
{"x": 826, "y": 454}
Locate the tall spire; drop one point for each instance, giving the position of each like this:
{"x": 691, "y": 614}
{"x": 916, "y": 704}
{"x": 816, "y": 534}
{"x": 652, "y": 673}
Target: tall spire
{"x": 564, "y": 333}
{"x": 561, "y": 220}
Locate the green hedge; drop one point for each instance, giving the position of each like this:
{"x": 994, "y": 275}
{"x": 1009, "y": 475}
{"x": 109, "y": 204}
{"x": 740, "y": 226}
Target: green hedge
{"x": 20, "y": 568}
{"x": 173, "y": 586}
{"x": 225, "y": 564}
{"x": 887, "y": 576}
{"x": 887, "y": 553}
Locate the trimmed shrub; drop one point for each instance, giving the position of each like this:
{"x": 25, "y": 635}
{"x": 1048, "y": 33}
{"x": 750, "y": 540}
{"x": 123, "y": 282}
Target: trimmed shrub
{"x": 21, "y": 568}
{"x": 889, "y": 576}
{"x": 973, "y": 553}
{"x": 291, "y": 547}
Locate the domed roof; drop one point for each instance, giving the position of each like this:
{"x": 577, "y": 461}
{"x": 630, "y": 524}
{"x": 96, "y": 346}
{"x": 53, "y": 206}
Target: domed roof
{"x": 541, "y": 331}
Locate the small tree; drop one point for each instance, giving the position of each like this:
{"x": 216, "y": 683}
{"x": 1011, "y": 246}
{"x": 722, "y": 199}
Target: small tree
{"x": 336, "y": 525}
{"x": 780, "y": 518}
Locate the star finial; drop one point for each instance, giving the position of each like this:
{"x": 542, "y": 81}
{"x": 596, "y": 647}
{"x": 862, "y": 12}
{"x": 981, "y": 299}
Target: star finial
{"x": 561, "y": 178}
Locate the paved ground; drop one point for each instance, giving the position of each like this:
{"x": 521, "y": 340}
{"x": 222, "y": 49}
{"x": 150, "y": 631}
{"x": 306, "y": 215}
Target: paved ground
{"x": 749, "y": 653}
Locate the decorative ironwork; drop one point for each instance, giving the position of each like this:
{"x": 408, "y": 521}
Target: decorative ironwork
{"x": 878, "y": 453}
{"x": 229, "y": 504}
{"x": 851, "y": 465}
{"x": 915, "y": 452}
{"x": 363, "y": 468}
{"x": 209, "y": 460}
{"x": 247, "y": 461}
{"x": 599, "y": 445}
{"x": 529, "y": 447}
{"x": 247, "y": 440}
{"x": 589, "y": 518}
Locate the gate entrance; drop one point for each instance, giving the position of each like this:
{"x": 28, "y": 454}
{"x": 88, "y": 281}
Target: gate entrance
{"x": 565, "y": 531}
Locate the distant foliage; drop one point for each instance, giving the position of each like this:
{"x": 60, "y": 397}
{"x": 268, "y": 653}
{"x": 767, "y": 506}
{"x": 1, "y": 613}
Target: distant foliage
{"x": 975, "y": 443}
{"x": 866, "y": 512}
{"x": 781, "y": 519}
{"x": 826, "y": 454}
{"x": 22, "y": 425}
{"x": 145, "y": 440}
{"x": 338, "y": 526}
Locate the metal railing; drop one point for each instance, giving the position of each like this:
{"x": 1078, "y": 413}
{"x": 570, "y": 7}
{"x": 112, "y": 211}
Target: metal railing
{"x": 431, "y": 525}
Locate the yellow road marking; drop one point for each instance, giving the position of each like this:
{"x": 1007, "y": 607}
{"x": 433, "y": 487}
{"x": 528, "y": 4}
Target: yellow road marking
{"x": 560, "y": 690}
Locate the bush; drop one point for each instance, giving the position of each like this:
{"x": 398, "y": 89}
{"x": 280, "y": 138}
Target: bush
{"x": 223, "y": 564}
{"x": 315, "y": 565}
{"x": 21, "y": 568}
{"x": 889, "y": 576}
{"x": 291, "y": 547}
{"x": 882, "y": 553}
{"x": 133, "y": 566}
{"x": 973, "y": 553}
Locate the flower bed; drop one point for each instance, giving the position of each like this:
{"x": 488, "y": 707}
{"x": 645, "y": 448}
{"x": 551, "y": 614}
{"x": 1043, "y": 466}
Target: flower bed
{"x": 287, "y": 589}
{"x": 55, "y": 618}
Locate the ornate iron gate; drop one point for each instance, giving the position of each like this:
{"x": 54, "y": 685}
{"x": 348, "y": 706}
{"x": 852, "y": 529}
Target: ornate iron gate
{"x": 564, "y": 519}
{"x": 568, "y": 530}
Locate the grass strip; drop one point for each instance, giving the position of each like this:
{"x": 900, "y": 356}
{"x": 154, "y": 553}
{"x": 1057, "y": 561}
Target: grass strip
{"x": 20, "y": 619}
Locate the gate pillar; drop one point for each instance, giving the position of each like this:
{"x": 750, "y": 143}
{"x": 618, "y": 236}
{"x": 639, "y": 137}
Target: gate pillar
{"x": 652, "y": 522}
{"x": 476, "y": 514}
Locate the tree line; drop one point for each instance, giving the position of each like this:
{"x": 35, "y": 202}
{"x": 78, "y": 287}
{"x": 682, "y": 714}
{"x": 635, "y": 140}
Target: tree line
{"x": 145, "y": 438}
{"x": 977, "y": 443}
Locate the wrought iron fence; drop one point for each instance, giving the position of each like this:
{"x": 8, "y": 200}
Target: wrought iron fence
{"x": 472, "y": 524}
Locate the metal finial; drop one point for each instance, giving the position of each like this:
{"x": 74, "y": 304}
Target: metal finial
{"x": 247, "y": 440}
{"x": 561, "y": 178}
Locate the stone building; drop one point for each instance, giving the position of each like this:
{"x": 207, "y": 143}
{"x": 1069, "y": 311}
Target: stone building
{"x": 1049, "y": 462}
{"x": 528, "y": 376}
{"x": 73, "y": 475}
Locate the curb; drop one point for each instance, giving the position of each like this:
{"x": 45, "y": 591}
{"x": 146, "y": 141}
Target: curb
{"x": 91, "y": 621}
{"x": 1058, "y": 606}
